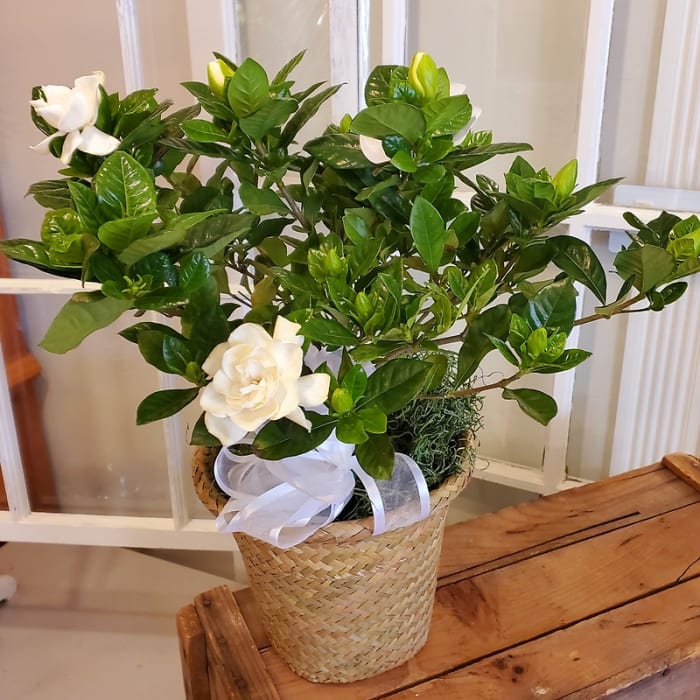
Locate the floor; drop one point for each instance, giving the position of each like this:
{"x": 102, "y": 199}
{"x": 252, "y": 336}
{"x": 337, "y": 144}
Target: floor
{"x": 93, "y": 622}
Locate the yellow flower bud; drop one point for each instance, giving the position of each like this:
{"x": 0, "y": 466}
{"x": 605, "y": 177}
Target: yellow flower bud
{"x": 217, "y": 72}
{"x": 423, "y": 76}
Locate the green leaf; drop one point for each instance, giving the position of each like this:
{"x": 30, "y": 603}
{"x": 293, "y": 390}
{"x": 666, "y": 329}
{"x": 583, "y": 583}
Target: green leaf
{"x": 150, "y": 344}
{"x": 124, "y": 188}
{"x": 287, "y": 68}
{"x": 132, "y": 332}
{"x": 52, "y": 194}
{"x": 577, "y": 259}
{"x": 533, "y": 403}
{"x": 554, "y": 307}
{"x": 394, "y": 384}
{"x": 503, "y": 348}
{"x": 162, "y": 404}
{"x": 34, "y": 253}
{"x": 447, "y": 115}
{"x": 355, "y": 382}
{"x": 248, "y": 89}
{"x": 404, "y": 162}
{"x": 389, "y": 119}
{"x": 201, "y": 436}
{"x": 646, "y": 266}
{"x": 350, "y": 429}
{"x": 159, "y": 267}
{"x": 495, "y": 322}
{"x": 217, "y": 230}
{"x": 328, "y": 331}
{"x": 373, "y": 419}
{"x": 119, "y": 234}
{"x": 377, "y": 86}
{"x": 152, "y": 244}
{"x": 203, "y": 131}
{"x": 428, "y": 232}
{"x": 565, "y": 180}
{"x": 85, "y": 201}
{"x": 261, "y": 202}
{"x": 194, "y": 271}
{"x": 588, "y": 194}
{"x": 283, "y": 438}
{"x": 271, "y": 115}
{"x": 339, "y": 151}
{"x": 566, "y": 361}
{"x": 306, "y": 111}
{"x": 83, "y": 314}
{"x": 376, "y": 456}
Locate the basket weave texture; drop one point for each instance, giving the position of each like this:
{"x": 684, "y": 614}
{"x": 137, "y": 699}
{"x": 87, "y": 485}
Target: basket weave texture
{"x": 343, "y": 605}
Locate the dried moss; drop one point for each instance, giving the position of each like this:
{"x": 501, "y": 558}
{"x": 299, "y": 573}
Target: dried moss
{"x": 437, "y": 433}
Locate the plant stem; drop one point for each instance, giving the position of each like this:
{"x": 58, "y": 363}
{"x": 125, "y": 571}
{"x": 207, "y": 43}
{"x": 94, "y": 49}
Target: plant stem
{"x": 623, "y": 306}
{"x": 470, "y": 391}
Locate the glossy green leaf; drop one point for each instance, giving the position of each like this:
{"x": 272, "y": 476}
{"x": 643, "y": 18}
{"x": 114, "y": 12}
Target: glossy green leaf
{"x": 83, "y": 314}
{"x": 533, "y": 403}
{"x": 389, "y": 119}
{"x": 328, "y": 331}
{"x": 201, "y": 436}
{"x": 339, "y": 151}
{"x": 248, "y": 89}
{"x": 350, "y": 429}
{"x": 162, "y": 404}
{"x": 308, "y": 108}
{"x": 577, "y": 259}
{"x": 283, "y": 438}
{"x": 495, "y": 322}
{"x": 428, "y": 232}
{"x": 355, "y": 381}
{"x": 204, "y": 131}
{"x": 85, "y": 201}
{"x": 447, "y": 115}
{"x": 373, "y": 420}
{"x": 124, "y": 188}
{"x": 52, "y": 194}
{"x": 270, "y": 116}
{"x": 647, "y": 266}
{"x": 261, "y": 202}
{"x": 119, "y": 234}
{"x": 554, "y": 307}
{"x": 152, "y": 244}
{"x": 376, "y": 456}
{"x": 394, "y": 384}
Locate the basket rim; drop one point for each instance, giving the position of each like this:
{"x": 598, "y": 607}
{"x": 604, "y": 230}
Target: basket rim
{"x": 214, "y": 499}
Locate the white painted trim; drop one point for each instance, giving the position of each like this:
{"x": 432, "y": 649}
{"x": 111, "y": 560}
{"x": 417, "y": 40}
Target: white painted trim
{"x": 363, "y": 49}
{"x": 10, "y": 456}
{"x": 114, "y": 531}
{"x": 518, "y": 476}
{"x": 130, "y": 37}
{"x": 675, "y": 131}
{"x": 394, "y": 25}
{"x": 344, "y": 56}
{"x": 595, "y": 68}
{"x": 22, "y": 285}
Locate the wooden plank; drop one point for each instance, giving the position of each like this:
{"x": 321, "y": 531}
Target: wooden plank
{"x": 592, "y": 659}
{"x": 515, "y": 533}
{"x": 193, "y": 654}
{"x": 684, "y": 466}
{"x": 236, "y": 670}
{"x": 507, "y": 606}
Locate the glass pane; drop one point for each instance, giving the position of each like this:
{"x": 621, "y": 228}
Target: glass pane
{"x": 521, "y": 62}
{"x": 635, "y": 49}
{"x": 75, "y": 421}
{"x": 304, "y": 24}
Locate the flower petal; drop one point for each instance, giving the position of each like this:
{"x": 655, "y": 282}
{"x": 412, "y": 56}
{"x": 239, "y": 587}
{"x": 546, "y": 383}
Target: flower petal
{"x": 213, "y": 402}
{"x": 227, "y": 432}
{"x": 213, "y": 362}
{"x": 313, "y": 389}
{"x": 97, "y": 143}
{"x": 287, "y": 331}
{"x": 252, "y": 334}
{"x": 50, "y": 113}
{"x": 43, "y": 146}
{"x": 373, "y": 150}
{"x": 297, "y": 416}
{"x": 73, "y": 141}
{"x": 89, "y": 87}
{"x": 78, "y": 113}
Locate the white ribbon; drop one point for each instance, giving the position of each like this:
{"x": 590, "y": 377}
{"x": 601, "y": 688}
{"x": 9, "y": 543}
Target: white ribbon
{"x": 284, "y": 502}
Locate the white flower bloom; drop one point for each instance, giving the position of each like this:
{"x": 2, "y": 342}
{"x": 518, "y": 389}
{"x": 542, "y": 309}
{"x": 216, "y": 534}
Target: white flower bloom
{"x": 73, "y": 112}
{"x": 257, "y": 377}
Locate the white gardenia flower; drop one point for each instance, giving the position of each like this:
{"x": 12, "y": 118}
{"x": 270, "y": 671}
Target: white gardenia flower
{"x": 256, "y": 378}
{"x": 73, "y": 112}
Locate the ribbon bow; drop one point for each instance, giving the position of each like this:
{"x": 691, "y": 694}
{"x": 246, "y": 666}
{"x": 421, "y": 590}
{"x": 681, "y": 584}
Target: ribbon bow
{"x": 284, "y": 502}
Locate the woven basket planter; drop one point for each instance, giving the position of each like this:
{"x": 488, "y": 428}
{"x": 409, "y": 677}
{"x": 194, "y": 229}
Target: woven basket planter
{"x": 344, "y": 604}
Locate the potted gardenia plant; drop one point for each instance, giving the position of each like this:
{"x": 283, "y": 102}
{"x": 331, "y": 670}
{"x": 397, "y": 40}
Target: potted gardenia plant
{"x": 330, "y": 303}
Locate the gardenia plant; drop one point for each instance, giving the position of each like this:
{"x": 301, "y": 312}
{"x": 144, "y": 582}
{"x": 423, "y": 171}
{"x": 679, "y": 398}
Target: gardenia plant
{"x": 324, "y": 286}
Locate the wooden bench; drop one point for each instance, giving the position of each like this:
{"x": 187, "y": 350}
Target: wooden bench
{"x": 592, "y": 592}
